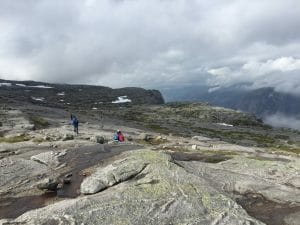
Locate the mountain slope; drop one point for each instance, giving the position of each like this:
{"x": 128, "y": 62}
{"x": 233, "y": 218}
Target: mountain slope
{"x": 63, "y": 95}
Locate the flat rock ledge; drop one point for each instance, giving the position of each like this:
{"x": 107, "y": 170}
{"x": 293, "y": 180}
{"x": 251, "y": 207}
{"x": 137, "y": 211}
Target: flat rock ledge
{"x": 156, "y": 191}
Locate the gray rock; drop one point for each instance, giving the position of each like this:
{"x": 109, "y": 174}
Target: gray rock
{"x": 111, "y": 175}
{"x": 15, "y": 174}
{"x": 161, "y": 193}
{"x": 48, "y": 184}
{"x": 292, "y": 219}
{"x": 145, "y": 137}
{"x": 51, "y": 159}
{"x": 245, "y": 175}
{"x": 68, "y": 137}
{"x": 98, "y": 139}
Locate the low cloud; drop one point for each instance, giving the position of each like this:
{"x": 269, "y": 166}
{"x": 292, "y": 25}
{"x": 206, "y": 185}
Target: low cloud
{"x": 281, "y": 73}
{"x": 281, "y": 120}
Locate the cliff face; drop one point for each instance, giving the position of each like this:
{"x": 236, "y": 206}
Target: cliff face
{"x": 80, "y": 96}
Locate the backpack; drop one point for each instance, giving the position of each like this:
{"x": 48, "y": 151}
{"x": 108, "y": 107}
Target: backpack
{"x": 75, "y": 122}
{"x": 116, "y": 137}
{"x": 121, "y": 138}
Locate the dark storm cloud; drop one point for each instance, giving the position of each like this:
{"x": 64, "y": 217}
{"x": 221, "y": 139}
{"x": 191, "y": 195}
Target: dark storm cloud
{"x": 151, "y": 43}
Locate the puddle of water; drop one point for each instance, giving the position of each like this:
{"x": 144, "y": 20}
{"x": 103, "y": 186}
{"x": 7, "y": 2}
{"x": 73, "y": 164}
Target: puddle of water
{"x": 269, "y": 212}
{"x": 77, "y": 159}
{"x": 184, "y": 156}
{"x": 23, "y": 204}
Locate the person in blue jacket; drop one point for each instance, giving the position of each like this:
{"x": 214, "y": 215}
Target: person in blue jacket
{"x": 75, "y": 123}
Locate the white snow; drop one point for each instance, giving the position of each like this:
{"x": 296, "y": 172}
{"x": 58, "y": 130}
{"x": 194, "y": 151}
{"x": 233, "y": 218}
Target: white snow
{"x": 21, "y": 85}
{"x": 61, "y": 100}
{"x": 94, "y": 108}
{"x": 225, "y": 124}
{"x": 5, "y": 84}
{"x": 36, "y": 86}
{"x": 122, "y": 99}
{"x": 40, "y": 86}
{"x": 61, "y": 93}
{"x": 40, "y": 99}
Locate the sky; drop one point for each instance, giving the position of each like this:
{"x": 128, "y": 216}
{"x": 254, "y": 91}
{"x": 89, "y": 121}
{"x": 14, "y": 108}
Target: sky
{"x": 152, "y": 43}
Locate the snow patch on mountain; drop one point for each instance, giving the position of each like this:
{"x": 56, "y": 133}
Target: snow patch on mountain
{"x": 121, "y": 99}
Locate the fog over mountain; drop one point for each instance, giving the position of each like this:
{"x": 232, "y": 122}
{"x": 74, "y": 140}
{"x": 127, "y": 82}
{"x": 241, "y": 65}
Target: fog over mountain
{"x": 152, "y": 44}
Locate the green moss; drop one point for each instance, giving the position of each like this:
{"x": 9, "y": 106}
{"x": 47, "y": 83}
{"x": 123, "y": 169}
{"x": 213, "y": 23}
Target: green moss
{"x": 15, "y": 139}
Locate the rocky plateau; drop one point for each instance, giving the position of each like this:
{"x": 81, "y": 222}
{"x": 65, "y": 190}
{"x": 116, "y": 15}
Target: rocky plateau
{"x": 181, "y": 163}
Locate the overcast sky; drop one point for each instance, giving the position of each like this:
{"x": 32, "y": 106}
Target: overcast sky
{"x": 152, "y": 43}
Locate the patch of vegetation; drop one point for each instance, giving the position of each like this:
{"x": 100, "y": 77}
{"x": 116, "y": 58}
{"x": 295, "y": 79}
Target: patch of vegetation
{"x": 157, "y": 128}
{"x": 286, "y": 148}
{"x": 237, "y": 136}
{"x": 1, "y": 124}
{"x": 220, "y": 152}
{"x": 15, "y": 139}
{"x": 281, "y": 136}
{"x": 39, "y": 122}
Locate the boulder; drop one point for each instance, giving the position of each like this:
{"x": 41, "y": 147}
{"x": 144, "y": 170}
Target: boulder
{"x": 49, "y": 184}
{"x": 98, "y": 139}
{"x": 145, "y": 137}
{"x": 67, "y": 137}
{"x": 111, "y": 175}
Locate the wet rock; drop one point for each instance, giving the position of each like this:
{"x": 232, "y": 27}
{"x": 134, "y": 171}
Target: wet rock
{"x": 49, "y": 184}
{"x": 67, "y": 180}
{"x": 68, "y": 175}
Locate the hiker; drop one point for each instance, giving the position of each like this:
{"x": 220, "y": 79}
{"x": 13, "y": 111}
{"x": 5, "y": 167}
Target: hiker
{"x": 119, "y": 137}
{"x": 75, "y": 123}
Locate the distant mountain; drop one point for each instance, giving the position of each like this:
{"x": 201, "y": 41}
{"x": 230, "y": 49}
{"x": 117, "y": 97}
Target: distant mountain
{"x": 80, "y": 96}
{"x": 262, "y": 102}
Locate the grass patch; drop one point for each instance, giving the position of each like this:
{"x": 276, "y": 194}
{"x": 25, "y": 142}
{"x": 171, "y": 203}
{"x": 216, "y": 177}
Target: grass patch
{"x": 39, "y": 122}
{"x": 237, "y": 136}
{"x": 288, "y": 149}
{"x": 219, "y": 152}
{"x": 157, "y": 128}
{"x": 15, "y": 139}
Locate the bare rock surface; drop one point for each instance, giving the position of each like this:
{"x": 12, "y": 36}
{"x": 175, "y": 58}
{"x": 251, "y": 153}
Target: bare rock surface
{"x": 243, "y": 175}
{"x": 18, "y": 174}
{"x": 162, "y": 193}
{"x": 51, "y": 159}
